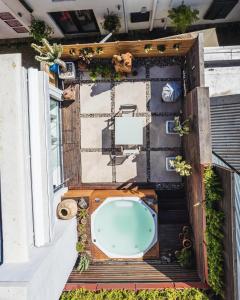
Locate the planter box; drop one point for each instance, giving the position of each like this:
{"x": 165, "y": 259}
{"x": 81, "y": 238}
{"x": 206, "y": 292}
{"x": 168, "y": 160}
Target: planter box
{"x": 170, "y": 124}
{"x": 70, "y": 74}
{"x": 168, "y": 166}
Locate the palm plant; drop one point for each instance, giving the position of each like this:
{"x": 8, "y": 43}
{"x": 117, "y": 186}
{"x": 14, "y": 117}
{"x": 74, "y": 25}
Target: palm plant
{"x": 181, "y": 128}
{"x": 183, "y": 16}
{"x": 180, "y": 166}
{"x": 111, "y": 22}
{"x": 50, "y": 54}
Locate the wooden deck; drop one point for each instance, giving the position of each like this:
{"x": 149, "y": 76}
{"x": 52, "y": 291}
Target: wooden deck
{"x": 145, "y": 271}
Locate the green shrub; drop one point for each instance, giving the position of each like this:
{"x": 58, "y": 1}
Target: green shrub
{"x": 214, "y": 231}
{"x": 163, "y": 294}
{"x": 186, "y": 258}
{"x": 40, "y": 30}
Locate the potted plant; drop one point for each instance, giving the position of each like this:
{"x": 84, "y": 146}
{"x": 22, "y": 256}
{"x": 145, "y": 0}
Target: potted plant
{"x": 185, "y": 258}
{"x": 40, "y": 30}
{"x": 111, "y": 22}
{"x": 183, "y": 16}
{"x": 180, "y": 166}
{"x": 99, "y": 50}
{"x": 80, "y": 247}
{"x": 148, "y": 48}
{"x": 85, "y": 57}
{"x": 50, "y": 54}
{"x": 161, "y": 48}
{"x": 182, "y": 127}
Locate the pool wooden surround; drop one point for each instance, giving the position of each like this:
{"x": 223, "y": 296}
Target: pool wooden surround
{"x": 101, "y": 195}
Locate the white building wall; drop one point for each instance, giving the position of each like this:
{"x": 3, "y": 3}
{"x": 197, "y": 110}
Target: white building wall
{"x": 28, "y": 272}
{"x": 14, "y": 162}
{"x": 41, "y": 9}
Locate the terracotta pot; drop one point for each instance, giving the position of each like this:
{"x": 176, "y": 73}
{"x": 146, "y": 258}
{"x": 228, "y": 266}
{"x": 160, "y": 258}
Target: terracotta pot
{"x": 187, "y": 243}
{"x": 67, "y": 209}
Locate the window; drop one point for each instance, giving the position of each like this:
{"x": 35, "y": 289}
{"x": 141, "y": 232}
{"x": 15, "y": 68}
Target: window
{"x": 219, "y": 9}
{"x": 75, "y": 21}
{"x": 140, "y": 17}
{"x": 56, "y": 143}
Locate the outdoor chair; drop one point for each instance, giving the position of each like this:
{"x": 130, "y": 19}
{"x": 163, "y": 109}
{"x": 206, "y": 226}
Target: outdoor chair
{"x": 128, "y": 109}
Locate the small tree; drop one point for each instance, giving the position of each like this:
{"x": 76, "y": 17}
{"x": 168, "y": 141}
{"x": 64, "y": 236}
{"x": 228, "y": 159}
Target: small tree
{"x": 180, "y": 166}
{"x": 183, "y": 16}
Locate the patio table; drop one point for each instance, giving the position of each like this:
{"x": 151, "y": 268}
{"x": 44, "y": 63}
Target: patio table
{"x": 129, "y": 130}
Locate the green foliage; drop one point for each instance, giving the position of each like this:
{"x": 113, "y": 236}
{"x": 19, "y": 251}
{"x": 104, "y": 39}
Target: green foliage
{"x": 111, "y": 22}
{"x": 163, "y": 294}
{"x": 214, "y": 231}
{"x": 40, "y": 30}
{"x": 185, "y": 258}
{"x": 80, "y": 247}
{"x": 100, "y": 70}
{"x": 99, "y": 50}
{"x": 181, "y": 166}
{"x": 117, "y": 76}
{"x": 86, "y": 54}
{"x": 83, "y": 213}
{"x": 183, "y": 16}
{"x": 181, "y": 128}
{"x": 84, "y": 263}
{"x": 148, "y": 48}
{"x": 49, "y": 54}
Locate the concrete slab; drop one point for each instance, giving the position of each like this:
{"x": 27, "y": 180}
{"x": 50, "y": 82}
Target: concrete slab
{"x": 132, "y": 169}
{"x": 130, "y": 93}
{"x": 95, "y": 133}
{"x": 158, "y": 167}
{"x": 155, "y": 99}
{"x": 165, "y": 72}
{"x": 96, "y": 167}
{"x": 95, "y": 98}
{"x": 158, "y": 136}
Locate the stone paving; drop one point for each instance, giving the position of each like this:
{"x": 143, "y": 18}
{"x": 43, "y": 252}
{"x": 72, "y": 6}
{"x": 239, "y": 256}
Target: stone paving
{"x": 101, "y": 159}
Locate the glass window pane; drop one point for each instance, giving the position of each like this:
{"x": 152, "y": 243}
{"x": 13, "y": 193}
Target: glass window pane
{"x": 56, "y": 157}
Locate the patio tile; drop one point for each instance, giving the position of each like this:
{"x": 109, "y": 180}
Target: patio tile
{"x": 158, "y": 136}
{"x": 165, "y": 72}
{"x": 96, "y": 167}
{"x": 95, "y": 98}
{"x": 158, "y": 167}
{"x": 155, "y": 101}
{"x": 130, "y": 93}
{"x": 132, "y": 169}
{"x": 95, "y": 133}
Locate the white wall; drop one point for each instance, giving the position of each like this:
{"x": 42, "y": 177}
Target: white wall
{"x": 14, "y": 162}
{"x": 41, "y": 9}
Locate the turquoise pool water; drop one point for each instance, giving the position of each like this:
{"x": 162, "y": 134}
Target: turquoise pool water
{"x": 123, "y": 227}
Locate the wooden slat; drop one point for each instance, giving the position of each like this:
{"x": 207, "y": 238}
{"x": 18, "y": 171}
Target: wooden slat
{"x": 135, "y": 47}
{"x": 134, "y": 272}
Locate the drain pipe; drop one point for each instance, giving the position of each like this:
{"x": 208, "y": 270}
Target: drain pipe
{"x": 105, "y": 38}
{"x": 154, "y": 9}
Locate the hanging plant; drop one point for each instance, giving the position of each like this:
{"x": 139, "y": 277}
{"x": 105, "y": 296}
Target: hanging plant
{"x": 111, "y": 22}
{"x": 161, "y": 48}
{"x": 40, "y": 30}
{"x": 148, "y": 48}
{"x": 181, "y": 128}
{"x": 182, "y": 17}
{"x": 180, "y": 166}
